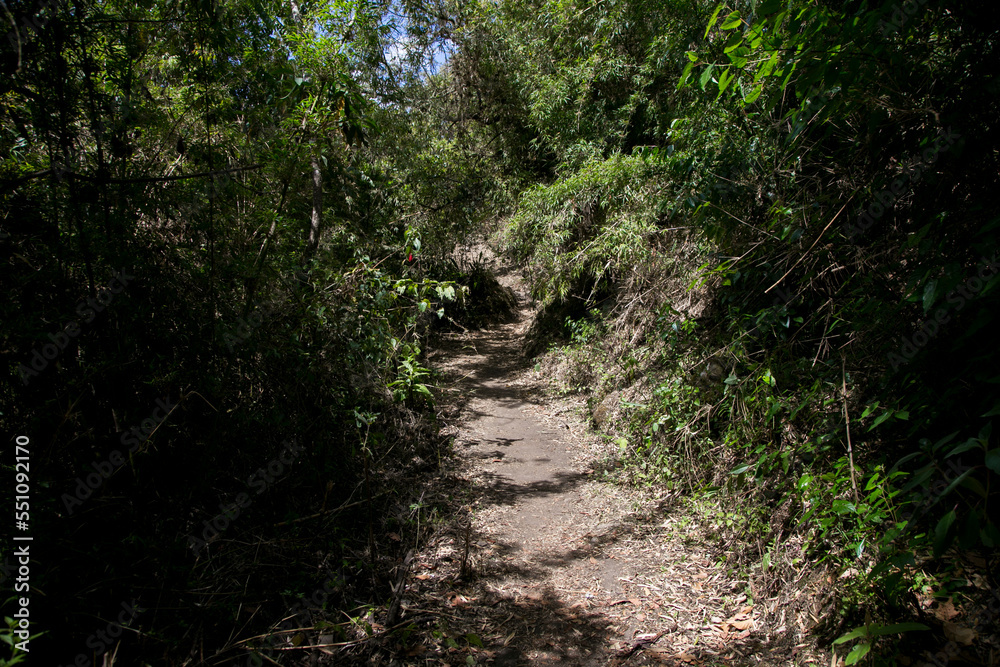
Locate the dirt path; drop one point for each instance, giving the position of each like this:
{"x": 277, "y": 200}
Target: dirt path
{"x": 546, "y": 563}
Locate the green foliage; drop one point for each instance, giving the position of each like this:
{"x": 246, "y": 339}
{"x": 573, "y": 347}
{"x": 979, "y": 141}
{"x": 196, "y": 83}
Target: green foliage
{"x": 411, "y": 383}
{"x": 867, "y": 635}
{"x": 7, "y": 636}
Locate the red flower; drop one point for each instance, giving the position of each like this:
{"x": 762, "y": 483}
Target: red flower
{"x": 410, "y": 258}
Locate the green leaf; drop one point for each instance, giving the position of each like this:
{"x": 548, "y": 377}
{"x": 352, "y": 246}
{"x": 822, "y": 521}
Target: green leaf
{"x": 692, "y": 56}
{"x": 869, "y": 409}
{"x": 753, "y": 95}
{"x": 853, "y": 634}
{"x": 941, "y": 533}
{"x": 929, "y": 295}
{"x": 766, "y": 69}
{"x": 711, "y": 21}
{"x": 971, "y": 443}
{"x": 841, "y": 506}
{"x": 897, "y": 628}
{"x": 958, "y": 480}
{"x": 881, "y": 418}
{"x": 944, "y": 441}
{"x": 474, "y": 640}
{"x": 724, "y": 80}
{"x": 993, "y": 460}
{"x": 706, "y": 76}
{"x": 857, "y": 653}
{"x": 685, "y": 77}
{"x": 732, "y": 21}
{"x": 770, "y": 7}
{"x": 973, "y": 484}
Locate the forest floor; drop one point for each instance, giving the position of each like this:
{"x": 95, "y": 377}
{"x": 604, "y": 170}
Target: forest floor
{"x": 544, "y": 560}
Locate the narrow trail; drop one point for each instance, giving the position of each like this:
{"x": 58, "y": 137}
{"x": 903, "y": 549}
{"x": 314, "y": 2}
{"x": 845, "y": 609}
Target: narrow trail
{"x": 546, "y": 563}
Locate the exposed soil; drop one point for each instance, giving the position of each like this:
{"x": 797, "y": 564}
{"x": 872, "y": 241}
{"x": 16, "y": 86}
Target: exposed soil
{"x": 543, "y": 561}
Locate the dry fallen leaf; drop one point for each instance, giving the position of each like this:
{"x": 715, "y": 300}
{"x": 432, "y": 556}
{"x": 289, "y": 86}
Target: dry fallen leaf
{"x": 977, "y": 561}
{"x": 423, "y": 577}
{"x": 593, "y": 560}
{"x": 945, "y": 611}
{"x": 957, "y": 633}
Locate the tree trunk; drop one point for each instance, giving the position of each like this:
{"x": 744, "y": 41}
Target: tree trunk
{"x": 316, "y": 219}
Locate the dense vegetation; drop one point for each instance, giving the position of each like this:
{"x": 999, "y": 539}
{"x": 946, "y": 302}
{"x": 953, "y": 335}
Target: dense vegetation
{"x": 764, "y": 230}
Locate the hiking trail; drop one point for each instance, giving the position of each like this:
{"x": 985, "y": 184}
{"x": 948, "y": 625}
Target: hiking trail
{"x": 544, "y": 562}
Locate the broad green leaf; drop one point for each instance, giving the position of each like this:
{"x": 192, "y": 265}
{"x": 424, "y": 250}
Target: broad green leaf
{"x": 711, "y": 21}
{"x": 724, "y": 80}
{"x": 857, "y": 653}
{"x": 993, "y": 460}
{"x": 706, "y": 76}
{"x": 753, "y": 95}
{"x": 685, "y": 77}
{"x": 881, "y": 418}
{"x": 841, "y": 506}
{"x": 739, "y": 56}
{"x": 732, "y": 21}
{"x": 692, "y": 56}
